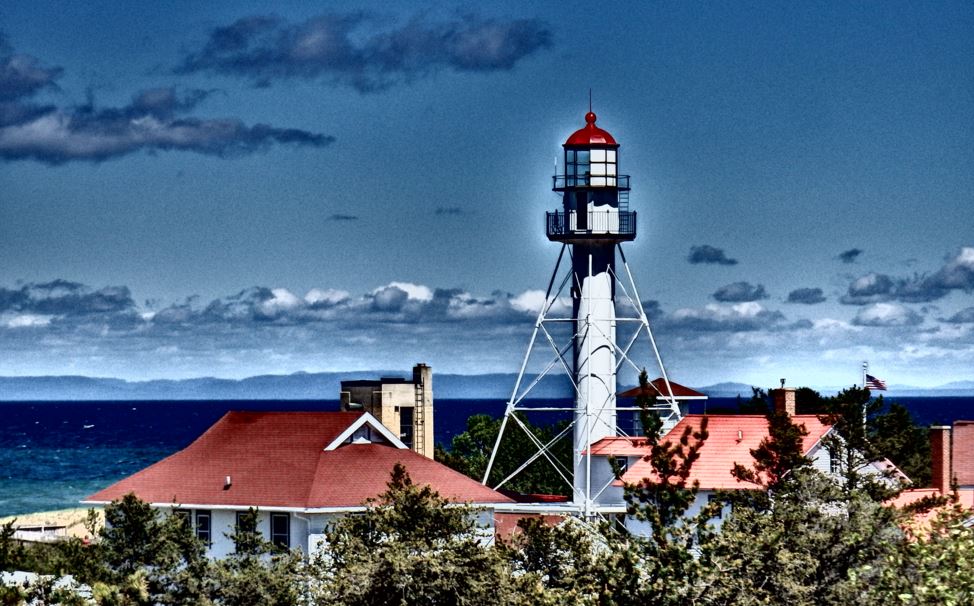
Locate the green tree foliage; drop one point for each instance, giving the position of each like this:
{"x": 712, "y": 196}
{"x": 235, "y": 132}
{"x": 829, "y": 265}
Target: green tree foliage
{"x": 409, "y": 547}
{"x": 12, "y": 553}
{"x": 777, "y": 455}
{"x": 817, "y": 544}
{"x": 664, "y": 561}
{"x": 936, "y": 567}
{"x": 470, "y": 451}
{"x": 144, "y": 554}
{"x": 257, "y": 573}
{"x": 895, "y": 435}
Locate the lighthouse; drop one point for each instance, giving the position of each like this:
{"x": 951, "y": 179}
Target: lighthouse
{"x": 592, "y": 223}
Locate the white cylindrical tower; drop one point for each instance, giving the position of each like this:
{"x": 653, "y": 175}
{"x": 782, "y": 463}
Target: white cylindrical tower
{"x": 595, "y": 217}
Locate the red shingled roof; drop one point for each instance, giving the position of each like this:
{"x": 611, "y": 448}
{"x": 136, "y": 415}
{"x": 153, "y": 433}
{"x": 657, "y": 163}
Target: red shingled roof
{"x": 618, "y": 446}
{"x": 277, "y": 459}
{"x": 725, "y": 447}
{"x": 657, "y": 387}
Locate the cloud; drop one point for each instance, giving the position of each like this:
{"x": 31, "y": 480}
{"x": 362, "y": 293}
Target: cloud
{"x": 964, "y": 316}
{"x": 806, "y": 296}
{"x": 354, "y": 49}
{"x": 886, "y": 314}
{"x": 60, "y": 326}
{"x": 155, "y": 120}
{"x": 849, "y": 256}
{"x": 22, "y": 76}
{"x": 709, "y": 254}
{"x": 739, "y": 292}
{"x": 742, "y": 317}
{"x": 341, "y": 217}
{"x": 957, "y": 273}
{"x": 328, "y": 297}
{"x": 58, "y": 135}
{"x": 62, "y": 297}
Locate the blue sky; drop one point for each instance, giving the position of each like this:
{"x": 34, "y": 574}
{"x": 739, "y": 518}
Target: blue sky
{"x": 191, "y": 190}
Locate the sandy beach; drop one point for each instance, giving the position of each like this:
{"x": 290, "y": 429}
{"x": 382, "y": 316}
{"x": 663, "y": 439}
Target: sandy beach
{"x": 61, "y": 522}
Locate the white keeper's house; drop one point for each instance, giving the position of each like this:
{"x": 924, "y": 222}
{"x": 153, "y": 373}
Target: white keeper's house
{"x": 300, "y": 469}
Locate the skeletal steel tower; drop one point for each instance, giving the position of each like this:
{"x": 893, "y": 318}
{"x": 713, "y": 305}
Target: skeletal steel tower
{"x": 591, "y": 226}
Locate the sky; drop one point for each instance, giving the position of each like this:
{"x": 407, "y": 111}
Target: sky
{"x": 226, "y": 189}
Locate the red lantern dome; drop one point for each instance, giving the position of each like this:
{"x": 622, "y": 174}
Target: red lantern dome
{"x": 591, "y": 134}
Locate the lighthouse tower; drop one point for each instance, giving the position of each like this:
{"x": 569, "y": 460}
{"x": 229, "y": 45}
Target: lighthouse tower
{"x": 592, "y": 223}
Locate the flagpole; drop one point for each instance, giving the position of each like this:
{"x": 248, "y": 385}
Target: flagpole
{"x": 865, "y": 369}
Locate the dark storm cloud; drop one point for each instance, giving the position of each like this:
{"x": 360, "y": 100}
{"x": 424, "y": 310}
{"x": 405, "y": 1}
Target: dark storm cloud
{"x": 22, "y": 75}
{"x": 957, "y": 273}
{"x": 850, "y": 255}
{"x": 342, "y": 217}
{"x": 155, "y": 120}
{"x": 353, "y": 49}
{"x": 709, "y": 254}
{"x": 739, "y": 292}
{"x": 806, "y": 296}
{"x": 964, "y": 316}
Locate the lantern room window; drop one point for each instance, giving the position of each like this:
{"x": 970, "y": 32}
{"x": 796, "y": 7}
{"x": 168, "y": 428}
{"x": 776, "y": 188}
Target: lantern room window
{"x": 594, "y": 167}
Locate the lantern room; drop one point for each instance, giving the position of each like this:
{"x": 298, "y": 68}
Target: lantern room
{"x": 590, "y": 156}
{"x": 596, "y": 196}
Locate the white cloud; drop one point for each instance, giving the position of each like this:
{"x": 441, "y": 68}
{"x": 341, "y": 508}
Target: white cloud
{"x": 415, "y": 292}
{"x": 25, "y": 320}
{"x": 886, "y": 314}
{"x": 282, "y": 300}
{"x": 529, "y": 300}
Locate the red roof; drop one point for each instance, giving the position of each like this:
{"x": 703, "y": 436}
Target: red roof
{"x": 591, "y": 134}
{"x": 731, "y": 439}
{"x": 657, "y": 388}
{"x": 618, "y": 446}
{"x": 277, "y": 459}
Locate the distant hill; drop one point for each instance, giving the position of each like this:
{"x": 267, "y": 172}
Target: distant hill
{"x": 296, "y": 386}
{"x": 326, "y": 386}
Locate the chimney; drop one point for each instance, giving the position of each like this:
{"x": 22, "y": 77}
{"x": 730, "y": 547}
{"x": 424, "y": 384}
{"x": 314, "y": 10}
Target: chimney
{"x": 784, "y": 399}
{"x": 940, "y": 457}
{"x": 962, "y": 453}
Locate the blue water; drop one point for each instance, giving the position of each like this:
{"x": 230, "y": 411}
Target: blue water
{"x": 52, "y": 454}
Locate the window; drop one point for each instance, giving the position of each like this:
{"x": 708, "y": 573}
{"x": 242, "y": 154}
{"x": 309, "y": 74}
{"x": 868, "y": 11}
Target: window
{"x": 835, "y": 461}
{"x": 203, "y": 527}
{"x": 406, "y": 425}
{"x": 281, "y": 530}
{"x": 576, "y": 163}
{"x": 596, "y": 167}
{"x": 603, "y": 167}
{"x": 623, "y": 463}
{"x": 720, "y": 512}
{"x": 185, "y": 515}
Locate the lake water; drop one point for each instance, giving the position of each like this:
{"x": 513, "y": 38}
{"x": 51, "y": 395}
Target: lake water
{"x": 52, "y": 454}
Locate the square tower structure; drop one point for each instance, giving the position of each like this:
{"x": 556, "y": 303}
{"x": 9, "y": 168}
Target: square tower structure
{"x": 403, "y": 406}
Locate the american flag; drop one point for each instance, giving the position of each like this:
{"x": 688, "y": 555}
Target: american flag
{"x": 874, "y": 383}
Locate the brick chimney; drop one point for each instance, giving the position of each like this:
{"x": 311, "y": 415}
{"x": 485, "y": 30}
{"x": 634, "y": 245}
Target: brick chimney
{"x": 940, "y": 457}
{"x": 784, "y": 400}
{"x": 962, "y": 454}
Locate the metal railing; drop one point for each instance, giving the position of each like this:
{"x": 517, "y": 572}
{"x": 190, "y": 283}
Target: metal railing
{"x": 563, "y": 182}
{"x": 610, "y": 222}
